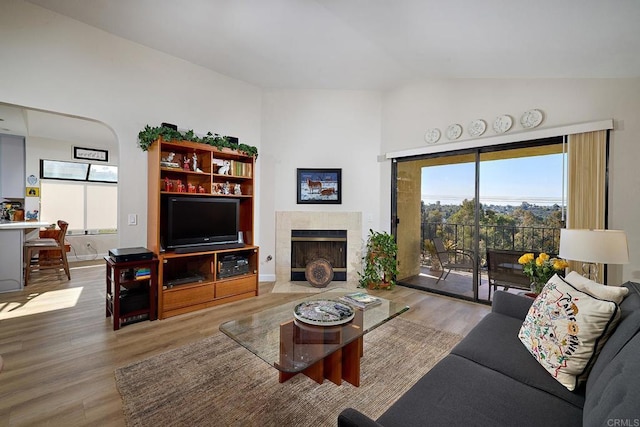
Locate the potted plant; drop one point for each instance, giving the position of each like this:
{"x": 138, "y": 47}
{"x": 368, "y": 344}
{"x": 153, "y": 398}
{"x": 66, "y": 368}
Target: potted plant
{"x": 380, "y": 264}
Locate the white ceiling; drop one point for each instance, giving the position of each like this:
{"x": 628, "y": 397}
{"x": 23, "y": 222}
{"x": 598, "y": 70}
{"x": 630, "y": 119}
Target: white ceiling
{"x": 21, "y": 121}
{"x": 378, "y": 44}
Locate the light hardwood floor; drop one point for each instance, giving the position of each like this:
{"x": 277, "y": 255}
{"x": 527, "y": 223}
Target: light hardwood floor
{"x": 60, "y": 351}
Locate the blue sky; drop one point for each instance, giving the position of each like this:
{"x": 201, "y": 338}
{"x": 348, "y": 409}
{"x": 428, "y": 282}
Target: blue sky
{"x": 537, "y": 180}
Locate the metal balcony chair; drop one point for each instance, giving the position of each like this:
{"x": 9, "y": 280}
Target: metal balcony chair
{"x": 453, "y": 259}
{"x": 58, "y": 255}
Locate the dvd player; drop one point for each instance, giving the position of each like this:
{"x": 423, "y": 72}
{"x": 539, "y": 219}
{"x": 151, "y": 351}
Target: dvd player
{"x": 130, "y": 254}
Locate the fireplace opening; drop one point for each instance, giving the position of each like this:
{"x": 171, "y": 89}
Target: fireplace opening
{"x": 309, "y": 245}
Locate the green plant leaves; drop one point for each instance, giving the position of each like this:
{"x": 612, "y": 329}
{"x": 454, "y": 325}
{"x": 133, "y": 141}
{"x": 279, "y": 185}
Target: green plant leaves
{"x": 149, "y": 134}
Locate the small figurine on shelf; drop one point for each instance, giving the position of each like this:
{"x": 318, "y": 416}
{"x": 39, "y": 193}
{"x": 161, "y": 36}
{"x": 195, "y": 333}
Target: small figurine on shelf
{"x": 168, "y": 185}
{"x": 194, "y": 162}
{"x": 185, "y": 163}
{"x": 181, "y": 187}
{"x": 200, "y": 189}
{"x": 237, "y": 190}
{"x": 191, "y": 188}
{"x": 226, "y": 188}
{"x": 215, "y": 189}
{"x": 168, "y": 161}
{"x": 224, "y": 169}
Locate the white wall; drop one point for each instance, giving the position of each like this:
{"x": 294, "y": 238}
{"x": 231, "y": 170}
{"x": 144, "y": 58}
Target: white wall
{"x": 319, "y": 129}
{"x": 57, "y": 64}
{"x": 410, "y": 110}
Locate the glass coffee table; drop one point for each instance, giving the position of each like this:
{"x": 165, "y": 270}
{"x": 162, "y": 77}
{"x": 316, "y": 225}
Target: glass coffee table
{"x": 294, "y": 346}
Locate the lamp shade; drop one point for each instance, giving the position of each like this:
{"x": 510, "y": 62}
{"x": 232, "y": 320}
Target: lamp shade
{"x": 597, "y": 246}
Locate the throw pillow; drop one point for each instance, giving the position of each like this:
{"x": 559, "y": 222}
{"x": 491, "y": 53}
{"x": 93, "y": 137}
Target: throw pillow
{"x": 565, "y": 329}
{"x": 610, "y": 293}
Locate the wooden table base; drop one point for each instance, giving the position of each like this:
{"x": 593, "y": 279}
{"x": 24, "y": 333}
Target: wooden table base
{"x": 342, "y": 364}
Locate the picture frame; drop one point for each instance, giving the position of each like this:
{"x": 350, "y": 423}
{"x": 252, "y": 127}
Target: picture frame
{"x": 319, "y": 186}
{"x": 90, "y": 154}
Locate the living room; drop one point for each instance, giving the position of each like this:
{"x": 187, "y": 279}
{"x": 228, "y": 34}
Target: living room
{"x": 58, "y": 64}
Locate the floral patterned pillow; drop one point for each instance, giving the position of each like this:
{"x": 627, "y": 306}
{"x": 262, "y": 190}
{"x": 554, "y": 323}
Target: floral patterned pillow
{"x": 565, "y": 330}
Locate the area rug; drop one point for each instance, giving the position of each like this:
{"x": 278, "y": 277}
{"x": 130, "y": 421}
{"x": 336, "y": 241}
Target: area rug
{"x": 216, "y": 382}
{"x": 305, "y": 287}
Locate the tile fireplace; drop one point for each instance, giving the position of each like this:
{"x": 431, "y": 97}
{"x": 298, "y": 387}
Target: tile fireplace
{"x": 349, "y": 222}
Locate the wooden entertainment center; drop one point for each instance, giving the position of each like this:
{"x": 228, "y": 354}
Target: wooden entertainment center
{"x": 201, "y": 277}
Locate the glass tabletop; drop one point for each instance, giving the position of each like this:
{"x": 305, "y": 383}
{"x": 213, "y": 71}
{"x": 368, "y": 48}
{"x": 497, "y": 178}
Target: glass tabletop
{"x": 292, "y": 346}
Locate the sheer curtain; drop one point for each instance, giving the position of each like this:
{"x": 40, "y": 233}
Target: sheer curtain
{"x": 587, "y": 173}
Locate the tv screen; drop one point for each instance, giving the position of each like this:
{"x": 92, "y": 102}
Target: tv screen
{"x": 200, "y": 221}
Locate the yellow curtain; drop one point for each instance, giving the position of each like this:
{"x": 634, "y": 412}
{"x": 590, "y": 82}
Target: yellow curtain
{"x": 587, "y": 166}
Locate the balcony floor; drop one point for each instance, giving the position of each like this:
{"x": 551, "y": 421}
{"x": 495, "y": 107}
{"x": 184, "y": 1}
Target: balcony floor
{"x": 458, "y": 283}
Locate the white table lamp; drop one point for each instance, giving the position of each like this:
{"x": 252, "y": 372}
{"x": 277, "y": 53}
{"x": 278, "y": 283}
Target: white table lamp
{"x": 593, "y": 247}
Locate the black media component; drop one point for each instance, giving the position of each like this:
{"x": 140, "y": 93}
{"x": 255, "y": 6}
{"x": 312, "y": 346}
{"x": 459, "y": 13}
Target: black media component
{"x": 169, "y": 126}
{"x": 130, "y": 254}
{"x": 233, "y": 265}
{"x": 133, "y": 300}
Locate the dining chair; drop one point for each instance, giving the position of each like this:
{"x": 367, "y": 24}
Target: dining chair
{"x": 57, "y": 258}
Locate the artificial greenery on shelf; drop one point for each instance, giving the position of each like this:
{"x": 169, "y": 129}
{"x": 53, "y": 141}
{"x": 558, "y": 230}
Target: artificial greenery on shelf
{"x": 150, "y": 134}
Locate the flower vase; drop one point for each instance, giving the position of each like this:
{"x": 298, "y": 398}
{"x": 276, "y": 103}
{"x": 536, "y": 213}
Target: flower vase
{"x": 536, "y": 287}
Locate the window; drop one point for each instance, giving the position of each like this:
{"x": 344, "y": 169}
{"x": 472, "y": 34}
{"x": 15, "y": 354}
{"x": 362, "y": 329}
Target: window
{"x": 83, "y": 194}
{"x": 74, "y": 171}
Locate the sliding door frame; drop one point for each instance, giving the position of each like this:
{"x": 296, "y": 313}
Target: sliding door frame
{"x": 476, "y": 151}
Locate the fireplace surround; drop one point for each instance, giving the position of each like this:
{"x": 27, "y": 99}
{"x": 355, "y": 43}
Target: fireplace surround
{"x": 299, "y": 220}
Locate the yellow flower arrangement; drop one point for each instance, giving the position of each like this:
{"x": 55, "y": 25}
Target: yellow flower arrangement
{"x": 540, "y": 269}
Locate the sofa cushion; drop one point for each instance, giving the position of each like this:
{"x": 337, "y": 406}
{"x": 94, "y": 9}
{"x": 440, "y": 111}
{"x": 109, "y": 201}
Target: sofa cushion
{"x": 627, "y": 328}
{"x": 595, "y": 289}
{"x": 458, "y": 391}
{"x": 615, "y": 396}
{"x": 565, "y": 330}
{"x": 494, "y": 343}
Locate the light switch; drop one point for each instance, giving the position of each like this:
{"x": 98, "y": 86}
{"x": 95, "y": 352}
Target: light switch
{"x": 133, "y": 219}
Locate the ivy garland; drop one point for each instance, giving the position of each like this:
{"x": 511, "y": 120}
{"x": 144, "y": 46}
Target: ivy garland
{"x": 149, "y": 134}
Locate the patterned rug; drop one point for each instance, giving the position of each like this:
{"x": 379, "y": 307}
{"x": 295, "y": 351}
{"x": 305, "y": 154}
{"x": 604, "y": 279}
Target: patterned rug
{"x": 217, "y": 382}
{"x": 305, "y": 287}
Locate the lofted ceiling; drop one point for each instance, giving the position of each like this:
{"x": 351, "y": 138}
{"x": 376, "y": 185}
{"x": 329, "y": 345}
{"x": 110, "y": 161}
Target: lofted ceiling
{"x": 378, "y": 44}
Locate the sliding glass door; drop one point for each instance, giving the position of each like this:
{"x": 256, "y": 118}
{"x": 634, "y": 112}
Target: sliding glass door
{"x": 508, "y": 199}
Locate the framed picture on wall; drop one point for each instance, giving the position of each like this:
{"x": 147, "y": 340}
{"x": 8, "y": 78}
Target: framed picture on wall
{"x": 90, "y": 154}
{"x": 319, "y": 186}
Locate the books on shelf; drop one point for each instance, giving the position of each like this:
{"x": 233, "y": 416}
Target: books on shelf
{"x": 236, "y": 168}
{"x": 361, "y": 299}
{"x": 143, "y": 273}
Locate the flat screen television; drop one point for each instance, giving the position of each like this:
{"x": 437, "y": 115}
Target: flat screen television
{"x": 195, "y": 223}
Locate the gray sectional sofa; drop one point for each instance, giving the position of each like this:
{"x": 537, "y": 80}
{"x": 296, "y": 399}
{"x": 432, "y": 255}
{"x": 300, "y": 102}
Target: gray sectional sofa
{"x": 490, "y": 379}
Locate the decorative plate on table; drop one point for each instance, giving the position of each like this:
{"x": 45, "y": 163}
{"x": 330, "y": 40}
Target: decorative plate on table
{"x": 531, "y": 118}
{"x": 502, "y": 123}
{"x": 432, "y": 136}
{"x": 477, "y": 127}
{"x": 454, "y": 131}
{"x": 323, "y": 312}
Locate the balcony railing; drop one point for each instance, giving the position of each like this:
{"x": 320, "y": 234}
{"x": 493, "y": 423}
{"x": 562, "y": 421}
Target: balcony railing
{"x": 525, "y": 239}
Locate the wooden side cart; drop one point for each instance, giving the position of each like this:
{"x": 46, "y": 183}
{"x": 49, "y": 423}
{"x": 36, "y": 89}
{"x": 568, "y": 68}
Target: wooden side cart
{"x": 131, "y": 291}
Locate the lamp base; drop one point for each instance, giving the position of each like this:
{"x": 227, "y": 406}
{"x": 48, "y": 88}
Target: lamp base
{"x": 590, "y": 271}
